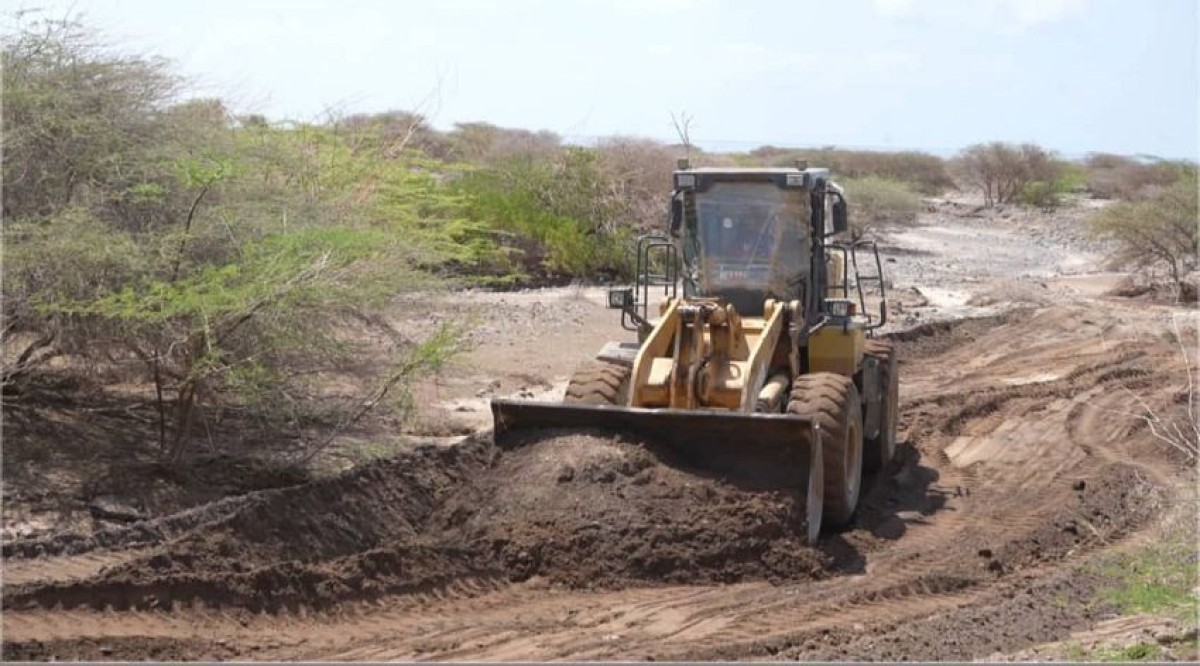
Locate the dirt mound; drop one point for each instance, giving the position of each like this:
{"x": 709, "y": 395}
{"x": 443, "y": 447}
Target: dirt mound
{"x": 932, "y": 338}
{"x": 313, "y": 521}
{"x": 597, "y": 510}
{"x": 390, "y": 500}
{"x": 578, "y": 510}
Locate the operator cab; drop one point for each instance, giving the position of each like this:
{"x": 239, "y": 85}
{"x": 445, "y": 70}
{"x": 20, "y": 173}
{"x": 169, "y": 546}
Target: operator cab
{"x": 752, "y": 235}
{"x": 747, "y": 235}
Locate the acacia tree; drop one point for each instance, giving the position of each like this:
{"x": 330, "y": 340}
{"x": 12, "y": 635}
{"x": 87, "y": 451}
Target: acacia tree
{"x": 1001, "y": 171}
{"x": 1157, "y": 230}
{"x": 211, "y": 259}
{"x": 876, "y": 202}
{"x": 79, "y": 129}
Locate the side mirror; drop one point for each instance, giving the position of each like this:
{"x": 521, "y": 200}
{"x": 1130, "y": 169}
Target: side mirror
{"x": 620, "y": 298}
{"x": 676, "y": 214}
{"x": 841, "y": 221}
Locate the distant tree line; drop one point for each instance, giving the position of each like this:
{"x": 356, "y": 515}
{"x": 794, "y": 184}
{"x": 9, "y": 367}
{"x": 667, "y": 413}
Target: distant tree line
{"x": 152, "y": 237}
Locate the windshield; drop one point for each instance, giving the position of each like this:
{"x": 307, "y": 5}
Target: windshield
{"x": 751, "y": 236}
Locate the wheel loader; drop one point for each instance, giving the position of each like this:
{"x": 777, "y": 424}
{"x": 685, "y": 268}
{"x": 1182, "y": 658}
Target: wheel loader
{"x": 764, "y": 371}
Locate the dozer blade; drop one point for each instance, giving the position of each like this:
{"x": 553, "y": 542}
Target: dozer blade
{"x": 753, "y": 451}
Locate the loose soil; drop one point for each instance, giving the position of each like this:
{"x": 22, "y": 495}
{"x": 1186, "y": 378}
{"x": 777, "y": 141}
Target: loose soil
{"x": 578, "y": 510}
{"x": 1021, "y": 460}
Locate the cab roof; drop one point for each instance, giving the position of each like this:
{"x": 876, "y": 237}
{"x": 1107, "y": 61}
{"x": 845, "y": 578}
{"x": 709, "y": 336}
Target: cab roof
{"x": 751, "y": 170}
{"x": 701, "y": 178}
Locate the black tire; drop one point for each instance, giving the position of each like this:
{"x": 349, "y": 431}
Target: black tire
{"x": 881, "y": 449}
{"x": 832, "y": 401}
{"x": 598, "y": 383}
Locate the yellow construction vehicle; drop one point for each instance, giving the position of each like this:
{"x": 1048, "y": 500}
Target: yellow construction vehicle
{"x": 766, "y": 353}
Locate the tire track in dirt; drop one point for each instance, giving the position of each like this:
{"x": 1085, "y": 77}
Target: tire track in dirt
{"x": 63, "y": 568}
{"x": 995, "y": 459}
{"x": 899, "y": 592}
{"x": 1006, "y": 514}
{"x": 1006, "y": 510}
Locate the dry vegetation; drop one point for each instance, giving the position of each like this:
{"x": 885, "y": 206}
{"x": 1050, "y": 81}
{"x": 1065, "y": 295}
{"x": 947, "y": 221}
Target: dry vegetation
{"x": 924, "y": 173}
{"x": 217, "y": 261}
{"x": 1156, "y": 229}
{"x": 1004, "y": 173}
{"x": 1125, "y": 178}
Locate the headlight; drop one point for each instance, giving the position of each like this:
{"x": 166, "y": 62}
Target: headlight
{"x": 797, "y": 179}
{"x": 685, "y": 181}
{"x": 620, "y": 298}
{"x": 841, "y": 307}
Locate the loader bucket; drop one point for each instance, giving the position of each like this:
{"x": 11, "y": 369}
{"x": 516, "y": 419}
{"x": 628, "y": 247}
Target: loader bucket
{"x": 774, "y": 452}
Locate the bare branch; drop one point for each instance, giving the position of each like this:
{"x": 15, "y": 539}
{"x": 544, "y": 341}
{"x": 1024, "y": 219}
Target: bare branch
{"x": 683, "y": 124}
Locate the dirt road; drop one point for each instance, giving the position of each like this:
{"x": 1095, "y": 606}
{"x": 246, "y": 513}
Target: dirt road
{"x": 1023, "y": 456}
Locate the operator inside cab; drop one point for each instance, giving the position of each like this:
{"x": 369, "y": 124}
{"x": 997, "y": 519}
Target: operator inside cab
{"x": 751, "y": 240}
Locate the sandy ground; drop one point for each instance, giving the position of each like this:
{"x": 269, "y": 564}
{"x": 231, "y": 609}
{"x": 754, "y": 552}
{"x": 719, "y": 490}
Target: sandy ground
{"x": 1023, "y": 459}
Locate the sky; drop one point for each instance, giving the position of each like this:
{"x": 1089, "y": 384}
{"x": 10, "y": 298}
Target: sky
{"x": 1075, "y": 76}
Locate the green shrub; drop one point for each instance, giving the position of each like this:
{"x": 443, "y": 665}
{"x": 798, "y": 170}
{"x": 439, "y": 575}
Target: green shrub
{"x": 561, "y": 218}
{"x": 1158, "y": 230}
{"x": 216, "y": 261}
{"x": 877, "y": 202}
{"x": 1006, "y": 173}
{"x": 1041, "y": 194}
{"x": 923, "y": 172}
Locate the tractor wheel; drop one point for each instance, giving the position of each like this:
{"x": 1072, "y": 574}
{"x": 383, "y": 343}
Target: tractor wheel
{"x": 598, "y": 383}
{"x": 832, "y": 401}
{"x": 882, "y": 447}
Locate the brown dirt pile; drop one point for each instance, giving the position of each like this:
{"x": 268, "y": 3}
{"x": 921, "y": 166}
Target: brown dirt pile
{"x": 577, "y": 510}
{"x": 598, "y": 510}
